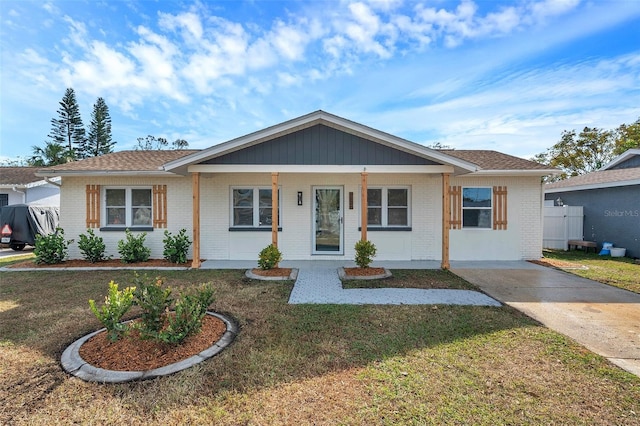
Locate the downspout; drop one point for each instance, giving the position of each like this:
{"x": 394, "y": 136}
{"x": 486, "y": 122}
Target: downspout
{"x": 24, "y": 194}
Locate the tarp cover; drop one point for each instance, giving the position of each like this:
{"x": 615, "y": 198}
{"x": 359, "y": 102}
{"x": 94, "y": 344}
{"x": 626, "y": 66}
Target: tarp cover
{"x": 27, "y": 221}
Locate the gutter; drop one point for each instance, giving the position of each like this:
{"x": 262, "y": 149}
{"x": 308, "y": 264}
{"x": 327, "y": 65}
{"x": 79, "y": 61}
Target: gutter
{"x": 48, "y": 180}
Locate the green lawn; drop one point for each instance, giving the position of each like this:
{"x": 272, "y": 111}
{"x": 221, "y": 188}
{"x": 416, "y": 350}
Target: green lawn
{"x": 616, "y": 271}
{"x": 308, "y": 364}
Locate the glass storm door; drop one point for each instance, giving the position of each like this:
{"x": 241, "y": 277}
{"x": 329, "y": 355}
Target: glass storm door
{"x": 327, "y": 225}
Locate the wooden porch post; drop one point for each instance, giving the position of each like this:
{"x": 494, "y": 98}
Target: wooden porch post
{"x": 274, "y": 209}
{"x": 363, "y": 207}
{"x": 446, "y": 217}
{"x": 195, "y": 189}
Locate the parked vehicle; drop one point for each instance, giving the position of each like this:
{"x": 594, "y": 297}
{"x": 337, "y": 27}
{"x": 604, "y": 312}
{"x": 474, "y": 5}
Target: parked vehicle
{"x": 20, "y": 223}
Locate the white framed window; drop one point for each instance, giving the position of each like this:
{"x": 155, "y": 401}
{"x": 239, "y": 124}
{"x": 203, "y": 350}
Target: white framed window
{"x": 251, "y": 207}
{"x": 477, "y": 205}
{"x": 128, "y": 207}
{"x": 388, "y": 207}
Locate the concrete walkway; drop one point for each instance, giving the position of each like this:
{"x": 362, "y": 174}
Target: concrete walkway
{"x": 322, "y": 285}
{"x": 604, "y": 319}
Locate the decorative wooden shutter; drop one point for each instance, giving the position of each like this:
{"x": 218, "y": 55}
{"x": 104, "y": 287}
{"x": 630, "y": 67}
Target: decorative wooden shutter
{"x": 93, "y": 206}
{"x": 499, "y": 207}
{"x": 455, "y": 196}
{"x": 159, "y": 206}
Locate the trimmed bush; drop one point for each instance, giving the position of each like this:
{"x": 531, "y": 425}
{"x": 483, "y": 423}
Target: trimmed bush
{"x": 52, "y": 248}
{"x": 189, "y": 313}
{"x": 155, "y": 302}
{"x": 269, "y": 257}
{"x": 92, "y": 247}
{"x": 132, "y": 249}
{"x": 176, "y": 247}
{"x": 116, "y": 304}
{"x": 365, "y": 252}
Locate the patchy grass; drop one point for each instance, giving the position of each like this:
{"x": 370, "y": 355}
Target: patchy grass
{"x": 415, "y": 278}
{"x": 308, "y": 364}
{"x": 16, "y": 259}
{"x": 620, "y": 272}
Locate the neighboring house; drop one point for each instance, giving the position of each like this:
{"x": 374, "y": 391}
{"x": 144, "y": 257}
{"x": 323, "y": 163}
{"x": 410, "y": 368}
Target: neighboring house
{"x": 611, "y": 201}
{"x": 20, "y": 185}
{"x": 300, "y": 185}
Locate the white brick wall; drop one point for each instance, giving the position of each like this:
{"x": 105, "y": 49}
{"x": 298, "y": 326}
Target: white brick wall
{"x": 523, "y": 237}
{"x": 522, "y": 240}
{"x": 73, "y": 211}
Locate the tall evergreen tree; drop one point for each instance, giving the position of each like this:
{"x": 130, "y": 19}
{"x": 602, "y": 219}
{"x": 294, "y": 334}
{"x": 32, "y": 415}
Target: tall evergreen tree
{"x": 67, "y": 129}
{"x": 99, "y": 141}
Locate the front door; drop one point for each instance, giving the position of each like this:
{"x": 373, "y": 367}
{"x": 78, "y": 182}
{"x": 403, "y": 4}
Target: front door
{"x": 327, "y": 223}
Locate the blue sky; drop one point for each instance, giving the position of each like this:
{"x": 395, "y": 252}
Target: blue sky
{"x": 502, "y": 75}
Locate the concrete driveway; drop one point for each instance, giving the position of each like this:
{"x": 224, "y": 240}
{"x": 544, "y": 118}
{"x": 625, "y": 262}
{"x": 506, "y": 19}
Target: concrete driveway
{"x": 604, "y": 319}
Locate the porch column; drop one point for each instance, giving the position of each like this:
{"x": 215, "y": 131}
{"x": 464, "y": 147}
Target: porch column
{"x": 363, "y": 207}
{"x": 446, "y": 217}
{"x": 195, "y": 189}
{"x": 274, "y": 209}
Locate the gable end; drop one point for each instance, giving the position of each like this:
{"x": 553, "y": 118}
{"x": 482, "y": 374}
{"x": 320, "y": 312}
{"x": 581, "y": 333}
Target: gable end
{"x": 320, "y": 145}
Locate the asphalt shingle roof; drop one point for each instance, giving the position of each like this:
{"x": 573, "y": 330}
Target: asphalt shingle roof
{"x": 136, "y": 161}
{"x": 494, "y": 160}
{"x": 599, "y": 177}
{"x": 122, "y": 161}
{"x": 18, "y": 175}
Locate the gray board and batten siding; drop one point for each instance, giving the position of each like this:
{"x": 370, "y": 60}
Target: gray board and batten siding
{"x": 320, "y": 145}
{"x": 631, "y": 163}
{"x": 610, "y": 215}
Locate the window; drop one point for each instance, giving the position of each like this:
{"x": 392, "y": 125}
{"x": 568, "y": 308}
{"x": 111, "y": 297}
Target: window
{"x": 4, "y": 200}
{"x": 251, "y": 207}
{"x": 388, "y": 207}
{"x": 476, "y": 208}
{"x": 128, "y": 207}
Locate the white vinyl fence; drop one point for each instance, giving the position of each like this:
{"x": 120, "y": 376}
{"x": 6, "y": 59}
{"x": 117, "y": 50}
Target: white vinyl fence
{"x": 561, "y": 224}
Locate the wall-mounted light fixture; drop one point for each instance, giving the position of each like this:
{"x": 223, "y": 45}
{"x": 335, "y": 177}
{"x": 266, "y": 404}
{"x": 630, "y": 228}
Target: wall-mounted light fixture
{"x": 350, "y": 200}
{"x": 299, "y": 198}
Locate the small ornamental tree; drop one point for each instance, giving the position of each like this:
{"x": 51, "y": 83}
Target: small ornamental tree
{"x": 365, "y": 252}
{"x": 269, "y": 257}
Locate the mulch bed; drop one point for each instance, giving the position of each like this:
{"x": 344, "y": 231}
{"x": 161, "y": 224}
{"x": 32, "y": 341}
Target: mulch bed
{"x": 131, "y": 353}
{"x": 363, "y": 272}
{"x": 115, "y": 263}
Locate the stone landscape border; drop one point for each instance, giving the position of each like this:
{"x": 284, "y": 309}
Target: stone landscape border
{"x": 249, "y": 274}
{"x": 344, "y": 277}
{"x": 73, "y": 363}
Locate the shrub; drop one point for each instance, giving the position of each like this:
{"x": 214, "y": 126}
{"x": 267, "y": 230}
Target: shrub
{"x": 155, "y": 302}
{"x": 116, "y": 304}
{"x": 365, "y": 252}
{"x": 269, "y": 257}
{"x": 52, "y": 248}
{"x": 92, "y": 247}
{"x": 132, "y": 249}
{"x": 189, "y": 313}
{"x": 175, "y": 248}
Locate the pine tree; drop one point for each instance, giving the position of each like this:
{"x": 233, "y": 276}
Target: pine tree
{"x": 67, "y": 130}
{"x": 99, "y": 141}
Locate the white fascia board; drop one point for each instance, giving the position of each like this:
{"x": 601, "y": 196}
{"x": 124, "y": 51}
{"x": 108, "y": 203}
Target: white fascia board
{"x": 543, "y": 172}
{"x": 290, "y": 168}
{"x": 620, "y": 158}
{"x": 585, "y": 187}
{"x": 319, "y": 117}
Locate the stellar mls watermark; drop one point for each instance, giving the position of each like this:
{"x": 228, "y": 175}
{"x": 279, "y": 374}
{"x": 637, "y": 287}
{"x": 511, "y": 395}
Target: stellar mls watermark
{"x": 622, "y": 213}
